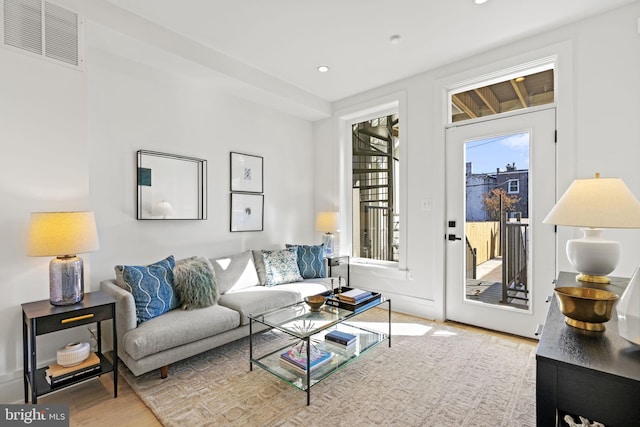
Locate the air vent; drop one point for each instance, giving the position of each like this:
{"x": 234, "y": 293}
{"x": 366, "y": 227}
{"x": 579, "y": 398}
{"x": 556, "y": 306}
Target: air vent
{"x": 42, "y": 28}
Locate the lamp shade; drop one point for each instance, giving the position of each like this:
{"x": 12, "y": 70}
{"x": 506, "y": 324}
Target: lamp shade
{"x": 596, "y": 202}
{"x": 327, "y": 222}
{"x": 62, "y": 233}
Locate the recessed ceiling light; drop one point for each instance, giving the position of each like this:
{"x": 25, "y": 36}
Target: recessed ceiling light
{"x": 519, "y": 79}
{"x": 395, "y": 39}
{"x": 479, "y": 1}
{"x": 323, "y": 68}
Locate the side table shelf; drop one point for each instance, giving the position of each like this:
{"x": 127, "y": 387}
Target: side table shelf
{"x": 338, "y": 262}
{"x": 40, "y": 317}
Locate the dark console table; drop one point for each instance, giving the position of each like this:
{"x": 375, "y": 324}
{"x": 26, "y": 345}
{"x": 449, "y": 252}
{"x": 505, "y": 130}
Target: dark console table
{"x": 591, "y": 374}
{"x": 40, "y": 317}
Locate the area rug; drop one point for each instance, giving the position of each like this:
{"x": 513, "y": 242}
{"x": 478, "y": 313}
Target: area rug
{"x": 433, "y": 374}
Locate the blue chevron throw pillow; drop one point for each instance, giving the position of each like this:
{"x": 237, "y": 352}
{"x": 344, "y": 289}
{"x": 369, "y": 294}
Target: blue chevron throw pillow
{"x": 152, "y": 287}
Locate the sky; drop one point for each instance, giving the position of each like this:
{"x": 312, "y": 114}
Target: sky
{"x": 486, "y": 155}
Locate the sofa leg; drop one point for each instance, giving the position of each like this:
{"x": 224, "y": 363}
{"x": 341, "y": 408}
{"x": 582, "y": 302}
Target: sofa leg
{"x": 164, "y": 371}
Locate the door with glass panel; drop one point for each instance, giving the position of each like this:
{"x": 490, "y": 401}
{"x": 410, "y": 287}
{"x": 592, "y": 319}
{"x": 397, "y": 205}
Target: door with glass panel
{"x": 500, "y": 258}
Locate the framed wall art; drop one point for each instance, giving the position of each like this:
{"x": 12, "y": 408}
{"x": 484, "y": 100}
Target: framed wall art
{"x": 171, "y": 186}
{"x": 246, "y": 173}
{"x": 247, "y": 212}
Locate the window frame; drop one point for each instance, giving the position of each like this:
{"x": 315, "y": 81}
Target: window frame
{"x": 517, "y": 190}
{"x": 392, "y": 104}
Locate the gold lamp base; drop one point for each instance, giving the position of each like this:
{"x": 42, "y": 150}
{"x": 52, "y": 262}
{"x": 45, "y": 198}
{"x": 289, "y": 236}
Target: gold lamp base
{"x": 592, "y": 279}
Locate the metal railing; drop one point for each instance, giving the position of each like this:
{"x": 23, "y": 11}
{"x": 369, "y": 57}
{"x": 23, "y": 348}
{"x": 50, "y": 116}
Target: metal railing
{"x": 470, "y": 260}
{"x": 379, "y": 234}
{"x": 514, "y": 261}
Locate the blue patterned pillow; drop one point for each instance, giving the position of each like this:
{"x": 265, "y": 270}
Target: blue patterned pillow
{"x": 151, "y": 286}
{"x": 310, "y": 261}
{"x": 281, "y": 266}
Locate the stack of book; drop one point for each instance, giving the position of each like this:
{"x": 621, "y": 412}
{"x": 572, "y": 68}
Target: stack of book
{"x": 57, "y": 374}
{"x": 341, "y": 339}
{"x": 296, "y": 359}
{"x": 354, "y": 296}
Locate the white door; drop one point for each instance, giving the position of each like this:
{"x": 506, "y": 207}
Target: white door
{"x": 500, "y": 258}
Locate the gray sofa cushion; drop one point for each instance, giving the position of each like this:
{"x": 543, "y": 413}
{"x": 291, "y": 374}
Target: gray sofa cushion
{"x": 178, "y": 327}
{"x": 258, "y": 260}
{"x": 235, "y": 272}
{"x": 257, "y": 300}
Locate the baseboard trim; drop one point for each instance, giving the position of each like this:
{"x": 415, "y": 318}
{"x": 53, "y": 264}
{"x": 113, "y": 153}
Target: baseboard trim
{"x": 12, "y": 388}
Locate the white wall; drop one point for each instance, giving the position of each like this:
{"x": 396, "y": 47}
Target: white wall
{"x": 69, "y": 141}
{"x": 43, "y": 167}
{"x": 598, "y": 106}
{"x": 132, "y": 107}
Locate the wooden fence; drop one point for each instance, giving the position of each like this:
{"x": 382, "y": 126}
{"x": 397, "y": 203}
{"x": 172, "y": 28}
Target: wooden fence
{"x": 484, "y": 238}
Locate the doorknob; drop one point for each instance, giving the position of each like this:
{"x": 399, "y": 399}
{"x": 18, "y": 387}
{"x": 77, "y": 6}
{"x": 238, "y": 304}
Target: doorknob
{"x": 453, "y": 237}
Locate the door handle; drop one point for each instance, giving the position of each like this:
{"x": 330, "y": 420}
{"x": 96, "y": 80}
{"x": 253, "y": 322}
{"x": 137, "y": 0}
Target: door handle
{"x": 453, "y": 237}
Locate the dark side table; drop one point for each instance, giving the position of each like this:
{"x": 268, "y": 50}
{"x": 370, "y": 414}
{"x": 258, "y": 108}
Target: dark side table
{"x": 582, "y": 373}
{"x": 40, "y": 317}
{"x": 336, "y": 266}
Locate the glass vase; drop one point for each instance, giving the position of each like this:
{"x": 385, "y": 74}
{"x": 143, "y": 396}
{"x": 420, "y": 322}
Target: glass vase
{"x": 629, "y": 310}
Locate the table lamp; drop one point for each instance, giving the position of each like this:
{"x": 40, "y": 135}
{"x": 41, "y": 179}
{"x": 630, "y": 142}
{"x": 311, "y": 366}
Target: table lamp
{"x": 63, "y": 235}
{"x": 327, "y": 222}
{"x": 163, "y": 209}
{"x": 595, "y": 204}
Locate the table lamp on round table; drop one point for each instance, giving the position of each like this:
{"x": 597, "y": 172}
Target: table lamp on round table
{"x": 595, "y": 204}
{"x": 63, "y": 235}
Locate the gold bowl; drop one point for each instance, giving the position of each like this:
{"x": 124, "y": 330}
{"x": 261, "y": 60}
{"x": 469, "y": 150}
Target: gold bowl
{"x": 315, "y": 302}
{"x": 586, "y": 308}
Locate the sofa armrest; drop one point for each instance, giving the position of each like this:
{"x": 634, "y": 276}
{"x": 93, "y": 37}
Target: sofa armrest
{"x": 125, "y": 310}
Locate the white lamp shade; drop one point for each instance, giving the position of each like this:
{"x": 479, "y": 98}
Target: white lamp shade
{"x": 327, "y": 222}
{"x": 62, "y": 233}
{"x": 598, "y": 203}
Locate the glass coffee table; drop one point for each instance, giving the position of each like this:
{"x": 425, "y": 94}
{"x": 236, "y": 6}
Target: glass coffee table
{"x": 309, "y": 357}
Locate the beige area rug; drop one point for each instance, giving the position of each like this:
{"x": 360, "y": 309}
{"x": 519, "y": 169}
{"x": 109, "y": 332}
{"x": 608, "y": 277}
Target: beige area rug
{"x": 433, "y": 375}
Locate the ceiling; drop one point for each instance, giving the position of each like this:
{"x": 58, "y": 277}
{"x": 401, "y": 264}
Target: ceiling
{"x": 285, "y": 40}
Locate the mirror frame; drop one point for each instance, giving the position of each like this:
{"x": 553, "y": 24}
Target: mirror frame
{"x": 179, "y": 180}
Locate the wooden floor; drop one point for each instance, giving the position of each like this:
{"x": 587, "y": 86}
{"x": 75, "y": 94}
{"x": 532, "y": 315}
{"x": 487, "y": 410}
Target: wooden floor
{"x": 92, "y": 404}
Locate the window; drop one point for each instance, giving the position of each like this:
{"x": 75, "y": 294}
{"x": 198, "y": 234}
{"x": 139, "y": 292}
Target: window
{"x": 375, "y": 187}
{"x": 514, "y": 186}
{"x": 515, "y": 93}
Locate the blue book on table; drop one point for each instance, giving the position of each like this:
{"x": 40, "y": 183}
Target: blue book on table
{"x": 354, "y": 296}
{"x": 340, "y": 337}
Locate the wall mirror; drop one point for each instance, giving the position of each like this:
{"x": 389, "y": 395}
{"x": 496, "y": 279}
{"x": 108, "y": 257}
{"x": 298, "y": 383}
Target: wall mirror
{"x": 171, "y": 186}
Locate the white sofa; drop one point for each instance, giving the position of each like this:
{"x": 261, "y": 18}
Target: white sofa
{"x": 179, "y": 334}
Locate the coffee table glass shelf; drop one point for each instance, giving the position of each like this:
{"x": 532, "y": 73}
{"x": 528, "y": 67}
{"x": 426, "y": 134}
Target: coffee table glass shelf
{"x": 310, "y": 328}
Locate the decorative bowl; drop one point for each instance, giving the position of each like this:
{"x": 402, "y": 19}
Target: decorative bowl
{"x": 73, "y": 354}
{"x": 586, "y": 308}
{"x": 315, "y": 302}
